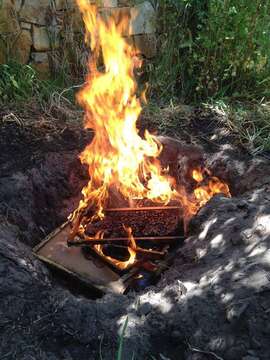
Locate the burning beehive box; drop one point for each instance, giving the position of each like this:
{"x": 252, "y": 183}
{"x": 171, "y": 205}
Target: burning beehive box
{"x": 105, "y": 262}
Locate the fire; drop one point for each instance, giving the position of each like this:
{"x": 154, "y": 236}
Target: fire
{"x": 204, "y": 192}
{"x": 121, "y": 265}
{"x": 118, "y": 157}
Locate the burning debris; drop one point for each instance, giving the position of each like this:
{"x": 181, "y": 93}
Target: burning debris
{"x": 134, "y": 210}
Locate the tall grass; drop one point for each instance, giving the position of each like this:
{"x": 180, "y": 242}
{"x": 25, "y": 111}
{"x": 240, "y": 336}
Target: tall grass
{"x": 213, "y": 49}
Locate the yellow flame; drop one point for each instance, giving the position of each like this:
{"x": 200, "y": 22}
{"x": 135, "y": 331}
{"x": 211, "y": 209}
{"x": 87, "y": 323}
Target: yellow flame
{"x": 204, "y": 192}
{"x": 121, "y": 265}
{"x": 117, "y": 155}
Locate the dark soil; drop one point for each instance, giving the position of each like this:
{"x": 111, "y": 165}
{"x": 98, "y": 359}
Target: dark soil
{"x": 213, "y": 303}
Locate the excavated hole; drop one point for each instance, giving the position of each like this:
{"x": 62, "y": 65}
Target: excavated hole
{"x": 43, "y": 191}
{"x": 222, "y": 264}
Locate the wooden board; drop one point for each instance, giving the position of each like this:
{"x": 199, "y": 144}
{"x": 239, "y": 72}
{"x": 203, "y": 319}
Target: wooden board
{"x": 92, "y": 272}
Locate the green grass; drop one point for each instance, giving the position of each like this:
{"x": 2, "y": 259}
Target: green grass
{"x": 20, "y": 83}
{"x": 119, "y": 355}
{"x": 212, "y": 49}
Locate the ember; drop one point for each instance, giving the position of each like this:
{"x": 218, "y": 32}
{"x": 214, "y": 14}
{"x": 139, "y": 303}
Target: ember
{"x": 122, "y": 163}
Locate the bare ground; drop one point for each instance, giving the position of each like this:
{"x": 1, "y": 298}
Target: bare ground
{"x": 213, "y": 303}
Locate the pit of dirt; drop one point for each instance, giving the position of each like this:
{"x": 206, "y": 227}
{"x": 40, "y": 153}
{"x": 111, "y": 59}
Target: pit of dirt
{"x": 212, "y": 303}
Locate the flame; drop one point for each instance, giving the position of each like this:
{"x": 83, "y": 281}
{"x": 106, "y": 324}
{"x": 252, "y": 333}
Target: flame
{"x": 121, "y": 265}
{"x": 204, "y": 192}
{"x": 117, "y": 156}
{"x": 197, "y": 175}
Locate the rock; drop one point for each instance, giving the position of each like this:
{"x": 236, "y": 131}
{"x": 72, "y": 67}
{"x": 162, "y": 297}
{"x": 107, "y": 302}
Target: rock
{"x": 107, "y": 3}
{"x": 26, "y": 25}
{"x": 177, "y": 335}
{"x": 146, "y": 44}
{"x": 34, "y": 11}
{"x": 65, "y": 4}
{"x": 143, "y": 17}
{"x": 73, "y": 20}
{"x": 250, "y": 357}
{"x": 8, "y": 18}
{"x": 41, "y": 40}
{"x": 15, "y": 4}
{"x": 23, "y": 47}
{"x": 40, "y": 63}
{"x": 124, "y": 2}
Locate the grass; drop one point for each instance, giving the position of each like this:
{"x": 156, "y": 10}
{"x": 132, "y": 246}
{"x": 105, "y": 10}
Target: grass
{"x": 119, "y": 355}
{"x": 249, "y": 121}
{"x": 212, "y": 52}
{"x": 20, "y": 84}
{"x": 211, "y": 49}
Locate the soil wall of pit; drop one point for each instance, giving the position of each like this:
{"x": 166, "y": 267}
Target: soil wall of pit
{"x": 212, "y": 303}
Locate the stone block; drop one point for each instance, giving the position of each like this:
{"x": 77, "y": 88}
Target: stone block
{"x": 72, "y": 4}
{"x": 73, "y": 21}
{"x": 2, "y": 53}
{"x": 125, "y": 3}
{"x": 8, "y": 18}
{"x": 40, "y": 62}
{"x": 25, "y": 25}
{"x": 15, "y": 4}
{"x": 143, "y": 17}
{"x": 34, "y": 11}
{"x": 22, "y": 47}
{"x": 65, "y": 4}
{"x": 41, "y": 40}
{"x": 146, "y": 44}
{"x": 107, "y": 3}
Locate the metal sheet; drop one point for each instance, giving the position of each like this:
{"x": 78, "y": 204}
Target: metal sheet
{"x": 93, "y": 272}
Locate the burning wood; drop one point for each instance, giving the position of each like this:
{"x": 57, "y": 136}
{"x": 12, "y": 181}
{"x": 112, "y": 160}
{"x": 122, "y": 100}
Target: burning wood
{"x": 123, "y": 165}
{"x": 153, "y": 239}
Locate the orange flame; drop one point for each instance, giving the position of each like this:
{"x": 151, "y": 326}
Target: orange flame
{"x": 204, "y": 192}
{"x": 121, "y": 265}
{"x": 117, "y": 155}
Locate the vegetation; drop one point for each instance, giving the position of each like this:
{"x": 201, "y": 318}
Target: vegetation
{"x": 20, "y": 83}
{"x": 217, "y": 52}
{"x": 214, "y": 52}
{"x": 213, "y": 49}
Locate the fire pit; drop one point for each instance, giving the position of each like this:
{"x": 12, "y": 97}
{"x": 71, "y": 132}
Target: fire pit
{"x": 134, "y": 210}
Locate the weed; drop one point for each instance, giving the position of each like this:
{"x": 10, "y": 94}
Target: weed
{"x": 20, "y": 83}
{"x": 17, "y": 82}
{"x": 212, "y": 49}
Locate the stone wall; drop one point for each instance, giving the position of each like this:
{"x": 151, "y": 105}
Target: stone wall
{"x": 48, "y": 34}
